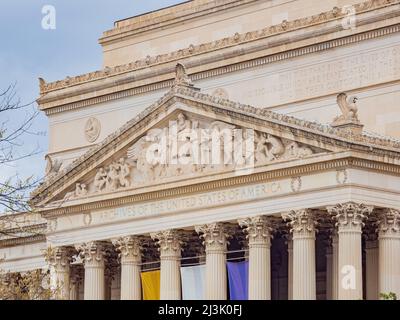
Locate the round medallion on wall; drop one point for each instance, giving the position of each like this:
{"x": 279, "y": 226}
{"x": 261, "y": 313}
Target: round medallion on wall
{"x": 87, "y": 219}
{"x": 52, "y": 225}
{"x": 92, "y": 129}
{"x": 341, "y": 176}
{"x": 296, "y": 184}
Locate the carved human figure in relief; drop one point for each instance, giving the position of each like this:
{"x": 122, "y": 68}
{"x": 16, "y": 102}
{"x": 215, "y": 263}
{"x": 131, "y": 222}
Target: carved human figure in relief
{"x": 100, "y": 180}
{"x": 81, "y": 190}
{"x": 222, "y": 135}
{"x": 183, "y": 123}
{"x": 92, "y": 129}
{"x": 294, "y": 150}
{"x": 112, "y": 177}
{"x": 124, "y": 173}
{"x": 276, "y": 147}
{"x": 268, "y": 148}
{"x": 348, "y": 107}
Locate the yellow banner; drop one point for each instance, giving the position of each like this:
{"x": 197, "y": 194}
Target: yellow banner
{"x": 151, "y": 285}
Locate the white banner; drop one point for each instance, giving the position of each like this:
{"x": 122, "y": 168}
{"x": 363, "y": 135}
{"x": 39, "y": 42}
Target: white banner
{"x": 193, "y": 282}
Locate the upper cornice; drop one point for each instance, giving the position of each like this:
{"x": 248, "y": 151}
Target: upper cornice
{"x": 162, "y": 66}
{"x": 167, "y": 16}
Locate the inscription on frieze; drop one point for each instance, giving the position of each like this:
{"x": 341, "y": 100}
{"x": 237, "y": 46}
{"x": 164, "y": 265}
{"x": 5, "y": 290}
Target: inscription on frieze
{"x": 328, "y": 77}
{"x": 210, "y": 199}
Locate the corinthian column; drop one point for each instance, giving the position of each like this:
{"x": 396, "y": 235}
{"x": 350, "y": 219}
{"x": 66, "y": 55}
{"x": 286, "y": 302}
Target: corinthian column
{"x": 170, "y": 256}
{"x": 75, "y": 282}
{"x": 335, "y": 264}
{"x": 59, "y": 262}
{"x": 349, "y": 217}
{"x": 215, "y": 240}
{"x": 328, "y": 278}
{"x": 130, "y": 255}
{"x": 259, "y": 236}
{"x": 389, "y": 252}
{"x": 304, "y": 277}
{"x": 371, "y": 263}
{"x": 93, "y": 254}
{"x": 290, "y": 267}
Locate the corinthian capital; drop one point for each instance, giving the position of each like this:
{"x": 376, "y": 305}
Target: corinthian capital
{"x": 169, "y": 242}
{"x": 59, "y": 257}
{"x": 389, "y": 222}
{"x": 91, "y": 252}
{"x": 350, "y": 214}
{"x": 258, "y": 229}
{"x": 214, "y": 235}
{"x": 301, "y": 222}
{"x": 129, "y": 248}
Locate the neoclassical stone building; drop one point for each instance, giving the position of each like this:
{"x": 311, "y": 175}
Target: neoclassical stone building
{"x": 308, "y": 188}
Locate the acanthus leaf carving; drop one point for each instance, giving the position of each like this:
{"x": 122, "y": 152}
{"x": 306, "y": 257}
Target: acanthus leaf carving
{"x": 389, "y": 222}
{"x": 129, "y": 248}
{"x": 301, "y": 222}
{"x": 350, "y": 215}
{"x": 169, "y": 242}
{"x": 258, "y": 229}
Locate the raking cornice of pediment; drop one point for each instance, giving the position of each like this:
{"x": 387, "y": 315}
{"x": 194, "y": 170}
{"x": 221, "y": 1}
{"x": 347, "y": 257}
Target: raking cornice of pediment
{"x": 304, "y": 137}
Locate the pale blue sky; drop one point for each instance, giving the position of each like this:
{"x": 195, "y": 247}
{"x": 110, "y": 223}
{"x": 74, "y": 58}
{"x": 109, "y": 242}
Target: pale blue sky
{"x": 27, "y": 52}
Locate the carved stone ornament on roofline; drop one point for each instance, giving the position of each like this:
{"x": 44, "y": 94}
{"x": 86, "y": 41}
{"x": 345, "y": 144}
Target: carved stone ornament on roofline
{"x": 349, "y": 119}
{"x": 237, "y": 38}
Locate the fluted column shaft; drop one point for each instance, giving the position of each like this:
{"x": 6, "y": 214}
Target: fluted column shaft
{"x": 130, "y": 255}
{"x": 335, "y": 266}
{"x": 215, "y": 240}
{"x": 303, "y": 233}
{"x": 74, "y": 290}
{"x": 59, "y": 262}
{"x": 389, "y": 252}
{"x": 329, "y": 275}
{"x": 259, "y": 238}
{"x": 170, "y": 255}
{"x": 290, "y": 268}
{"x": 94, "y": 261}
{"x": 349, "y": 217}
{"x": 371, "y": 270}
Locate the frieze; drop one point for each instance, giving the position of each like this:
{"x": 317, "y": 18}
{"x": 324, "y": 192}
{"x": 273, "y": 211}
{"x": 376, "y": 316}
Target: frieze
{"x": 212, "y": 199}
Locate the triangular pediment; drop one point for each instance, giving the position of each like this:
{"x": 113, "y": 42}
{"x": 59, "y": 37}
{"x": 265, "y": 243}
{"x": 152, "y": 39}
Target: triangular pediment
{"x": 175, "y": 140}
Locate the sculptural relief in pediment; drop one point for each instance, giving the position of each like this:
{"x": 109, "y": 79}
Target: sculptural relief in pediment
{"x": 187, "y": 147}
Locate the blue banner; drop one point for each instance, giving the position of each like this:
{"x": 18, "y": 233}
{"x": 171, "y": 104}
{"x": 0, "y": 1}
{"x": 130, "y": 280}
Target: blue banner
{"x": 238, "y": 275}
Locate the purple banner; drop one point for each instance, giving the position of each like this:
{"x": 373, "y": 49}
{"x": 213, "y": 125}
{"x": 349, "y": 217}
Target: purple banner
{"x": 238, "y": 275}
